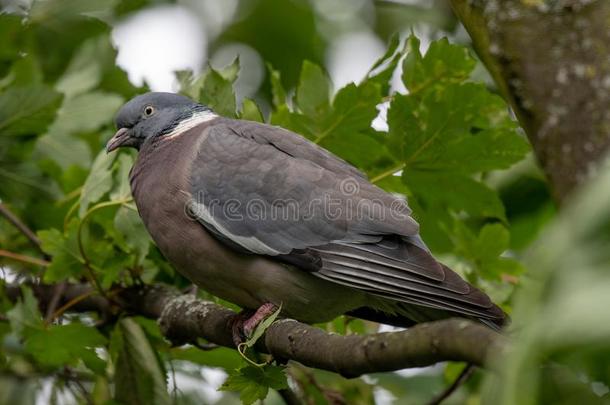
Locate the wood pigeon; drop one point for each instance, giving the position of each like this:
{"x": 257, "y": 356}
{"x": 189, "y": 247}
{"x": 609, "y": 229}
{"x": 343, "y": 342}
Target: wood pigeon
{"x": 260, "y": 216}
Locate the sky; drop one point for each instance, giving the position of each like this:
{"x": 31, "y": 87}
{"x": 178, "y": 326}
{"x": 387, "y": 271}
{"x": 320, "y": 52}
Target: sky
{"x": 158, "y": 41}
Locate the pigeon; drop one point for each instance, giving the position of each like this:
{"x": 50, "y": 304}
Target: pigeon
{"x": 261, "y": 217}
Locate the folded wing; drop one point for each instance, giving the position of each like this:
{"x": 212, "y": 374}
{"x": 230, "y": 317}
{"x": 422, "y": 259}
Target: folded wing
{"x": 265, "y": 190}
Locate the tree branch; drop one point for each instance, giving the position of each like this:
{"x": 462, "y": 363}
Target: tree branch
{"x": 23, "y": 228}
{"x": 184, "y": 318}
{"x": 460, "y": 380}
{"x": 550, "y": 61}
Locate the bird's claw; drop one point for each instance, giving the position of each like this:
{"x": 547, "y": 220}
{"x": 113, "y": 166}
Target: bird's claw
{"x": 245, "y": 323}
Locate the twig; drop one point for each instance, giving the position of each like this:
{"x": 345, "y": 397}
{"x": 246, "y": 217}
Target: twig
{"x": 57, "y": 313}
{"x": 175, "y": 385}
{"x": 289, "y": 396}
{"x": 79, "y": 237}
{"x": 461, "y": 379}
{"x": 58, "y": 291}
{"x": 72, "y": 194}
{"x": 70, "y": 377}
{"x": 333, "y": 397}
{"x": 23, "y": 228}
{"x": 23, "y": 258}
{"x": 388, "y": 172}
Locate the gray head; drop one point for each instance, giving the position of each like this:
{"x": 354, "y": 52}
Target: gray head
{"x": 151, "y": 115}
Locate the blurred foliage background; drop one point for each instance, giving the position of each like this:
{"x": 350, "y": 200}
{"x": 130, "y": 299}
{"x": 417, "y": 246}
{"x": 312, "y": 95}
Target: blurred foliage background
{"x": 326, "y": 69}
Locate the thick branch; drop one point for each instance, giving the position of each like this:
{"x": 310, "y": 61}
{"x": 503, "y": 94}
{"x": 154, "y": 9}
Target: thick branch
{"x": 71, "y": 292}
{"x": 551, "y": 60}
{"x": 184, "y": 318}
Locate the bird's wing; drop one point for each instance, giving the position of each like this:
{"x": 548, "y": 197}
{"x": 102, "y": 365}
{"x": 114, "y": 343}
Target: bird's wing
{"x": 269, "y": 191}
{"x": 273, "y": 196}
{"x": 294, "y": 145}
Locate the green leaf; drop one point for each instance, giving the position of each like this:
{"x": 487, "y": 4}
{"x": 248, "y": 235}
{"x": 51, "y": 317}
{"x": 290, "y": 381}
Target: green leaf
{"x": 354, "y": 108}
{"x": 99, "y": 181}
{"x": 81, "y": 114}
{"x": 454, "y": 192}
{"x": 231, "y": 71}
{"x": 443, "y": 136}
{"x": 11, "y": 28}
{"x": 62, "y": 345}
{"x": 73, "y": 178}
{"x": 223, "y": 357}
{"x": 190, "y": 86}
{"x": 27, "y": 110}
{"x": 86, "y": 112}
{"x": 56, "y": 11}
{"x": 492, "y": 241}
{"x": 484, "y": 250}
{"x": 128, "y": 223}
{"x": 63, "y": 248}
{"x": 313, "y": 91}
{"x": 389, "y": 53}
{"x": 217, "y": 90}
{"x": 424, "y": 130}
{"x": 277, "y": 89}
{"x": 25, "y": 316}
{"x": 443, "y": 63}
{"x": 25, "y": 71}
{"x": 250, "y": 111}
{"x": 489, "y": 149}
{"x": 114, "y": 266}
{"x": 64, "y": 150}
{"x": 343, "y": 127}
{"x": 91, "y": 359}
{"x": 253, "y": 383}
{"x": 86, "y": 67}
{"x": 262, "y": 327}
{"x": 122, "y": 167}
{"x": 139, "y": 377}
{"x": 382, "y": 71}
{"x": 347, "y": 130}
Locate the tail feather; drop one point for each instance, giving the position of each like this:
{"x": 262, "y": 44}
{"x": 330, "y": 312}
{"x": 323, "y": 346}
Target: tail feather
{"x": 407, "y": 282}
{"x": 400, "y": 273}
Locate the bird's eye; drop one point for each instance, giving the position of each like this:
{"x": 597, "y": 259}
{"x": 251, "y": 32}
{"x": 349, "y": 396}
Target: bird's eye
{"x": 149, "y": 110}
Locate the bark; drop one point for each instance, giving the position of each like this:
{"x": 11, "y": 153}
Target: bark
{"x": 184, "y": 318}
{"x": 551, "y": 60}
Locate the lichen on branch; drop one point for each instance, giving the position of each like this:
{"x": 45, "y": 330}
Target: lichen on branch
{"x": 185, "y": 318}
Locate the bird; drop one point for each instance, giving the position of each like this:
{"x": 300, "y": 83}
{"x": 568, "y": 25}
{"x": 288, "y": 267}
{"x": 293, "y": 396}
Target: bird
{"x": 260, "y": 216}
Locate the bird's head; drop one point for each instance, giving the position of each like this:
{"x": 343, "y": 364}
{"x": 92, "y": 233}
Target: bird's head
{"x": 154, "y": 114}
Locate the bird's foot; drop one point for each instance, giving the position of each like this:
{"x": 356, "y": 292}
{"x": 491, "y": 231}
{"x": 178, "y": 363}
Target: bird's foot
{"x": 244, "y": 324}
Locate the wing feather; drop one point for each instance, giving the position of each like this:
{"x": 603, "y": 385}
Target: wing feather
{"x": 404, "y": 257}
{"x": 271, "y": 202}
{"x": 347, "y": 276}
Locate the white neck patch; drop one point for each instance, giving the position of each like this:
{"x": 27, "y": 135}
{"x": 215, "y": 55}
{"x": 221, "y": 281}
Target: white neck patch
{"x": 192, "y": 121}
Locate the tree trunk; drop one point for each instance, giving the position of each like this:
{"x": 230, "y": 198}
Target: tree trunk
{"x": 551, "y": 60}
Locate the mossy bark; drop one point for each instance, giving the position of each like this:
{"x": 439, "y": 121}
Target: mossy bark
{"x": 551, "y": 61}
{"x": 185, "y": 318}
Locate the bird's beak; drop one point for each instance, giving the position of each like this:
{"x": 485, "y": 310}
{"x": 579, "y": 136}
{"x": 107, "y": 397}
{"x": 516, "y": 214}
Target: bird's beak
{"x": 121, "y": 136}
